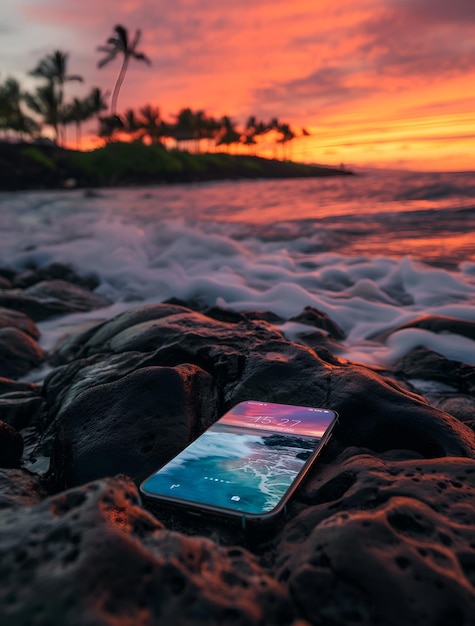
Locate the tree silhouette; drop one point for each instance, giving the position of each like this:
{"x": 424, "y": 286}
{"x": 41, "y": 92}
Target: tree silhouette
{"x": 150, "y": 123}
{"x": 11, "y": 114}
{"x": 45, "y": 103}
{"x": 120, "y": 45}
{"x": 228, "y": 133}
{"x": 53, "y": 68}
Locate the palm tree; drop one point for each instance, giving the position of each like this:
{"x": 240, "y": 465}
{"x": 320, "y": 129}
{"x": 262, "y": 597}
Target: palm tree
{"x": 120, "y": 44}
{"x": 45, "y": 103}
{"x": 228, "y": 134}
{"x": 77, "y": 112}
{"x": 11, "y": 114}
{"x": 54, "y": 69}
{"x": 151, "y": 124}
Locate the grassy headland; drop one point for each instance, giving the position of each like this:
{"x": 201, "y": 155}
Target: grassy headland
{"x": 36, "y": 166}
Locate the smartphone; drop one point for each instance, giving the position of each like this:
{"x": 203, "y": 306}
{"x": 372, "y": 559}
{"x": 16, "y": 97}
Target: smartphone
{"x": 247, "y": 465}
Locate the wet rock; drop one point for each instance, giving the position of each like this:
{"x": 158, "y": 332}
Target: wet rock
{"x": 15, "y": 319}
{"x": 19, "y": 353}
{"x": 21, "y": 408}
{"x": 424, "y": 364}
{"x": 11, "y": 446}
{"x": 383, "y": 542}
{"x": 92, "y": 555}
{"x": 374, "y": 411}
{"x": 19, "y": 488}
{"x": 50, "y": 298}
{"x": 75, "y": 297}
{"x": 97, "y": 338}
{"x": 5, "y": 283}
{"x": 434, "y": 323}
{"x": 54, "y": 271}
{"x": 319, "y": 319}
{"x": 461, "y": 407}
{"x": 167, "y": 327}
{"x": 132, "y": 425}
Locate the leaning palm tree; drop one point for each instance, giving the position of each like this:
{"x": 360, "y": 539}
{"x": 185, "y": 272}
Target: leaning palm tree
{"x": 120, "y": 44}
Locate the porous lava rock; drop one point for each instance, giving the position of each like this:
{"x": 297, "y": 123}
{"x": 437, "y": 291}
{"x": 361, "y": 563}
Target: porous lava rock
{"x": 20, "y": 488}
{"x": 383, "y": 541}
{"x": 92, "y": 555}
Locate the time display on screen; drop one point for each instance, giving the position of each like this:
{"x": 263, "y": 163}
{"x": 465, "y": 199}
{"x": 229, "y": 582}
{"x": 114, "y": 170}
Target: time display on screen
{"x": 283, "y": 418}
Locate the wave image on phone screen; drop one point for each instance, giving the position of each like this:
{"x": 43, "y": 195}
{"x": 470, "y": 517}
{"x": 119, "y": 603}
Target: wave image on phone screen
{"x": 246, "y": 461}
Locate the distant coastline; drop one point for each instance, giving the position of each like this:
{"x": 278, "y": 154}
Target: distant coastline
{"x": 32, "y": 166}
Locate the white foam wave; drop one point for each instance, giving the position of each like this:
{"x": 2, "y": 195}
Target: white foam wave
{"x": 178, "y": 242}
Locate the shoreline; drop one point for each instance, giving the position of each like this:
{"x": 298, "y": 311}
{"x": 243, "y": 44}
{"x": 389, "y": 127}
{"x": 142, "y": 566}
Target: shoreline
{"x": 29, "y": 167}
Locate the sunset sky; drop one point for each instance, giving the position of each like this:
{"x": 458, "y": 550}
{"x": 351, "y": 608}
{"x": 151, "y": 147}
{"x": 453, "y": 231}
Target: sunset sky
{"x": 377, "y": 82}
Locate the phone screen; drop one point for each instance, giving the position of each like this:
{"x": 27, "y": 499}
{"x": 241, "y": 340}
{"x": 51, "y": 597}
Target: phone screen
{"x": 246, "y": 461}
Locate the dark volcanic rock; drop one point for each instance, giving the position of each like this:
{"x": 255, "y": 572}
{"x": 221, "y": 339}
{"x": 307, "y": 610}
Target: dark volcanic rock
{"x": 93, "y": 556}
{"x": 383, "y": 542}
{"x": 55, "y": 271}
{"x": 374, "y": 412}
{"x": 19, "y": 406}
{"x": 314, "y": 317}
{"x": 11, "y": 446}
{"x": 422, "y": 363}
{"x": 434, "y": 323}
{"x": 49, "y": 298}
{"x": 15, "y": 319}
{"x": 133, "y": 425}
{"x": 19, "y": 353}
{"x": 20, "y": 488}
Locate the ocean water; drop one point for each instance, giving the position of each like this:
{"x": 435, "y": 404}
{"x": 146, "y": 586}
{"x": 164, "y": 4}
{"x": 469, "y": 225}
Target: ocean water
{"x": 373, "y": 251}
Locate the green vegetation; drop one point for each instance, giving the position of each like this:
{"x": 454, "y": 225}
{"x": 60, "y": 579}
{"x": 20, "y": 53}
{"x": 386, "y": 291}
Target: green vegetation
{"x": 23, "y": 166}
{"x": 36, "y": 155}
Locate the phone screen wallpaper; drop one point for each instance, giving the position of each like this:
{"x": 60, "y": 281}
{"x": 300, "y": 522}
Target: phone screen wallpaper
{"x": 246, "y": 461}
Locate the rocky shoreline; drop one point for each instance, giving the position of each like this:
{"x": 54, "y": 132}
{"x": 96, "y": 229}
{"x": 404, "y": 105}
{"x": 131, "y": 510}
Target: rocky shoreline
{"x": 382, "y": 532}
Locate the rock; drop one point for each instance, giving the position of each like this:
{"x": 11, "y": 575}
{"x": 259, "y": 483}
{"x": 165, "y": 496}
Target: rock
{"x": 133, "y": 425}
{"x": 97, "y": 338}
{"x": 92, "y": 555}
{"x": 75, "y": 297}
{"x": 374, "y": 412}
{"x": 11, "y": 446}
{"x": 383, "y": 542}
{"x": 461, "y": 407}
{"x": 19, "y": 353}
{"x": 434, "y": 323}
{"x": 166, "y": 327}
{"x": 54, "y": 271}
{"x": 422, "y": 363}
{"x": 19, "y": 488}
{"x": 20, "y": 408}
{"x": 5, "y": 283}
{"x": 49, "y": 298}
{"x": 319, "y": 319}
{"x": 15, "y": 319}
